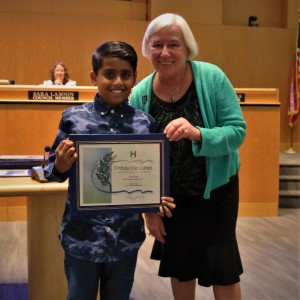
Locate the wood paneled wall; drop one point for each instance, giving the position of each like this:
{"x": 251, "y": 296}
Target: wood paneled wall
{"x": 194, "y": 11}
{"x": 131, "y": 10}
{"x": 34, "y": 34}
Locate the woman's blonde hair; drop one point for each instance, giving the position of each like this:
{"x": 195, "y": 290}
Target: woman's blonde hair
{"x": 163, "y": 21}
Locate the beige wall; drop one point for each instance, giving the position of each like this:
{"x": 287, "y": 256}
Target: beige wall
{"x": 34, "y": 34}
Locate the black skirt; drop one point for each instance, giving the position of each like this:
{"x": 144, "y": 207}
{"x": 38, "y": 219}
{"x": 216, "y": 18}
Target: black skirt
{"x": 201, "y": 239}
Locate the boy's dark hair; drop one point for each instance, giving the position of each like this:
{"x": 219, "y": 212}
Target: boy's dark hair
{"x": 117, "y": 49}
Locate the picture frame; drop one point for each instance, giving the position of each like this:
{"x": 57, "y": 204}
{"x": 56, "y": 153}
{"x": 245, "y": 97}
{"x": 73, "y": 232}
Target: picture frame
{"x": 119, "y": 173}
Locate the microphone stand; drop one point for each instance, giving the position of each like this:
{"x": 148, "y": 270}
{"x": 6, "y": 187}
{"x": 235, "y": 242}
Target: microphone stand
{"x": 46, "y": 150}
{"x": 37, "y": 173}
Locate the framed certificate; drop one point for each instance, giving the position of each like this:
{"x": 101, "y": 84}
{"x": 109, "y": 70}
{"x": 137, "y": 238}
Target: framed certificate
{"x": 119, "y": 173}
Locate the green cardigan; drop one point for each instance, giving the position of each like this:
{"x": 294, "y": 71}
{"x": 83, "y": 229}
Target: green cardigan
{"x": 224, "y": 126}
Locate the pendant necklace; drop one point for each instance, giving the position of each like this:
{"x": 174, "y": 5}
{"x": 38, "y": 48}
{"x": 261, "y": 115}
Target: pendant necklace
{"x": 172, "y": 98}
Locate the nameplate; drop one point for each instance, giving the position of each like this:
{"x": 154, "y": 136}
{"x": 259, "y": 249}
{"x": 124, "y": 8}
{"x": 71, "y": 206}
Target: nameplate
{"x": 53, "y": 95}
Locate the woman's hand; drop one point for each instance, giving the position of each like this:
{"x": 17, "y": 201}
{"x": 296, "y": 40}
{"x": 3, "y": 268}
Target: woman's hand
{"x": 58, "y": 81}
{"x": 181, "y": 128}
{"x": 155, "y": 226}
{"x": 166, "y": 207}
{"x": 65, "y": 156}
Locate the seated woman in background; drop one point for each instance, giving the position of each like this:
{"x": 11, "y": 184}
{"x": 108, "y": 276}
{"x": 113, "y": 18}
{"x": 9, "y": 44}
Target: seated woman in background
{"x": 59, "y": 76}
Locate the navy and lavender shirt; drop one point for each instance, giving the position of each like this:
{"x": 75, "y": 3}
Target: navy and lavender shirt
{"x": 100, "y": 238}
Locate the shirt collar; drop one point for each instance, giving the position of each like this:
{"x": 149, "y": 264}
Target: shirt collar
{"x": 104, "y": 109}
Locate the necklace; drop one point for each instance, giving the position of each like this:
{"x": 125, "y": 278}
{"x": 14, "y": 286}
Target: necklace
{"x": 172, "y": 94}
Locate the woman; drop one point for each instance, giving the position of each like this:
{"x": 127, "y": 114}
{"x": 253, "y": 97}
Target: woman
{"x": 195, "y": 105}
{"x": 59, "y": 75}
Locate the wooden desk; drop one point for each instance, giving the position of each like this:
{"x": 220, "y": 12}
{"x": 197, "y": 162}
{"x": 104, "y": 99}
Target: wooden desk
{"x": 45, "y": 206}
{"x": 259, "y": 175}
{"x": 21, "y": 93}
{"x": 26, "y": 127}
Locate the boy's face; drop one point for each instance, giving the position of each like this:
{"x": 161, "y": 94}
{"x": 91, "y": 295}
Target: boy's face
{"x": 114, "y": 80}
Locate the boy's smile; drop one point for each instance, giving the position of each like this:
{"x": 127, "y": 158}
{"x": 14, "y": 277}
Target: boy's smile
{"x": 115, "y": 80}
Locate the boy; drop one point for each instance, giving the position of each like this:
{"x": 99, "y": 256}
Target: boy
{"x": 101, "y": 248}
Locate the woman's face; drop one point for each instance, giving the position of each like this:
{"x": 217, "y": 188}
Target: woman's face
{"x": 168, "y": 50}
{"x": 59, "y": 72}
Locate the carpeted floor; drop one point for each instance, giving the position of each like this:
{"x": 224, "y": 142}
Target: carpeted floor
{"x": 13, "y": 261}
{"x": 11, "y": 291}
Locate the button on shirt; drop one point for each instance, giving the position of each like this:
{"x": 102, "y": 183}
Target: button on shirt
{"x": 103, "y": 237}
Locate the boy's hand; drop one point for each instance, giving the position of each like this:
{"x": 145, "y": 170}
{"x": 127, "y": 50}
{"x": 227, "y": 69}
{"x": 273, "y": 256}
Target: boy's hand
{"x": 166, "y": 207}
{"x": 65, "y": 156}
{"x": 155, "y": 226}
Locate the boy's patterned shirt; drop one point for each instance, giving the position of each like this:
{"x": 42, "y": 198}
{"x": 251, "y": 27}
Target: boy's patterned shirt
{"x": 103, "y": 237}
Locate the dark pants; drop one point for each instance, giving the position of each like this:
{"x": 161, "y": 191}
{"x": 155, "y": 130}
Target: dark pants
{"x": 84, "y": 277}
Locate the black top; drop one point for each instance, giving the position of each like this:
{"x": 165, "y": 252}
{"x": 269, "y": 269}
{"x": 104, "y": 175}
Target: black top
{"x": 187, "y": 172}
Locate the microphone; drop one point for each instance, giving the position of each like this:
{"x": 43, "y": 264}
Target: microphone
{"x": 252, "y": 19}
{"x": 46, "y": 150}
